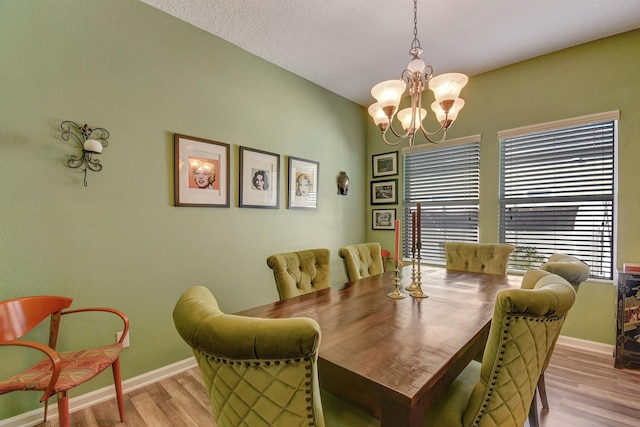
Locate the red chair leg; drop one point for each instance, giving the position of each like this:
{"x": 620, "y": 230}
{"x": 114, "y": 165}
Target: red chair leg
{"x": 63, "y": 409}
{"x": 117, "y": 381}
{"x": 46, "y": 409}
{"x": 543, "y": 392}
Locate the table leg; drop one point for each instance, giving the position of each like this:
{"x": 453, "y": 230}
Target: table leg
{"x": 394, "y": 415}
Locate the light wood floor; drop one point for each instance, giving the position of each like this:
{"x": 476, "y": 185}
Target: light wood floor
{"x": 584, "y": 390}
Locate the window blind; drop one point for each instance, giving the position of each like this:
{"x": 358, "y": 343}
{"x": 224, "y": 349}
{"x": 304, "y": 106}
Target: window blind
{"x": 557, "y": 193}
{"x": 445, "y": 180}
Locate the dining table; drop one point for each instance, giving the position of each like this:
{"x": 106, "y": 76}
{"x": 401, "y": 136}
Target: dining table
{"x": 394, "y": 357}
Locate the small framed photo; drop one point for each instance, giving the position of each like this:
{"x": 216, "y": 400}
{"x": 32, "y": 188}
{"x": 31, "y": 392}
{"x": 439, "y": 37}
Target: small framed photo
{"x": 385, "y": 164}
{"x": 384, "y": 192}
{"x": 201, "y": 176}
{"x": 384, "y": 219}
{"x": 259, "y": 179}
{"x": 303, "y": 183}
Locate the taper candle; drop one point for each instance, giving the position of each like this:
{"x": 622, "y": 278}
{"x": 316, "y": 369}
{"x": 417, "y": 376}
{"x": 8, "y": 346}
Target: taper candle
{"x": 397, "y": 239}
{"x": 413, "y": 231}
{"x": 419, "y": 231}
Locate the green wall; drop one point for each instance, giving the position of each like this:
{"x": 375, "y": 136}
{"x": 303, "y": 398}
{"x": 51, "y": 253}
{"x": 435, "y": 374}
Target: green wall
{"x": 592, "y": 78}
{"x": 120, "y": 242}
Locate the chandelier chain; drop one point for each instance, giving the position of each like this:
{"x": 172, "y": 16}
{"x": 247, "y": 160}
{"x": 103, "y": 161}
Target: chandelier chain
{"x": 415, "y": 43}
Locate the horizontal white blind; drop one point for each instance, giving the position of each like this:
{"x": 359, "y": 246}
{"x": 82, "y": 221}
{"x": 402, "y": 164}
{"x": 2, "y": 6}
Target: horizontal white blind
{"x": 556, "y": 195}
{"x": 445, "y": 180}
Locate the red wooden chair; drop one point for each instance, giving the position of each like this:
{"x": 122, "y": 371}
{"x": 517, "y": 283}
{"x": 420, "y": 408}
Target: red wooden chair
{"x": 385, "y": 257}
{"x": 59, "y": 371}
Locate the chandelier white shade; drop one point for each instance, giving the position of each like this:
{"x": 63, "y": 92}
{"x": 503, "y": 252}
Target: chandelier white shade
{"x": 447, "y": 86}
{"x": 441, "y": 115}
{"x": 409, "y": 120}
{"x": 414, "y": 79}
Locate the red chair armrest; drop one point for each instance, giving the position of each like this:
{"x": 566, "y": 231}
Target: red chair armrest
{"x": 50, "y": 353}
{"x": 125, "y": 319}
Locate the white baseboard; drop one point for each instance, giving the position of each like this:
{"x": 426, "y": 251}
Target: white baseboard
{"x": 93, "y": 398}
{"x": 596, "y": 347}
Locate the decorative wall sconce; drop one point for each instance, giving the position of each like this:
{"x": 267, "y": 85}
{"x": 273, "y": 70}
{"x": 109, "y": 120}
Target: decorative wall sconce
{"x": 91, "y": 142}
{"x": 343, "y": 183}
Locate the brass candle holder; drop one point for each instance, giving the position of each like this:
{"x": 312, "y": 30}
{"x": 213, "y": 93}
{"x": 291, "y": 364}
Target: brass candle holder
{"x": 396, "y": 294}
{"x": 412, "y": 287}
{"x": 418, "y": 292}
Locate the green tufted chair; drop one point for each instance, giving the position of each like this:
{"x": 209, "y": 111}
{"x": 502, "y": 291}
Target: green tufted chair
{"x": 298, "y": 273}
{"x": 489, "y": 258}
{"x": 573, "y": 271}
{"x": 569, "y": 268}
{"x": 500, "y": 391}
{"x": 362, "y": 260}
{"x": 259, "y": 372}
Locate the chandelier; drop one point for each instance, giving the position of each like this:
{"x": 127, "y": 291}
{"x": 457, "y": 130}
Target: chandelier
{"x": 446, "y": 89}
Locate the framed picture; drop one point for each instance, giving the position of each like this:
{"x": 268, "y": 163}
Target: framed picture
{"x": 384, "y": 219}
{"x": 259, "y": 179}
{"x": 385, "y": 164}
{"x": 384, "y": 192}
{"x": 201, "y": 176}
{"x": 303, "y": 183}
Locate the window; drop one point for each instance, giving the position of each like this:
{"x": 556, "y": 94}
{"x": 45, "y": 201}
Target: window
{"x": 556, "y": 192}
{"x": 445, "y": 180}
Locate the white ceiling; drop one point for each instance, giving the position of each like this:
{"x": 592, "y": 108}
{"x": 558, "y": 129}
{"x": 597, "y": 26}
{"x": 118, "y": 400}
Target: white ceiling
{"x": 347, "y": 46}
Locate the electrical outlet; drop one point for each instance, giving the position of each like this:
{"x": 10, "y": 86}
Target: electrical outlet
{"x": 125, "y": 343}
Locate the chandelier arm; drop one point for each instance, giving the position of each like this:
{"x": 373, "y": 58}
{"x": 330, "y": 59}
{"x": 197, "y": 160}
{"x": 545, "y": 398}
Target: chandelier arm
{"x": 393, "y": 144}
{"x": 425, "y": 132}
{"x": 427, "y": 135}
{"x": 440, "y": 129}
{"x": 402, "y": 137}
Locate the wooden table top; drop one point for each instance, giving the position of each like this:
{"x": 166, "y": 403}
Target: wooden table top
{"x": 395, "y": 357}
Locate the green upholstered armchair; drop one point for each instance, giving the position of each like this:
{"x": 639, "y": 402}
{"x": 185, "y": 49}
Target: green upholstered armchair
{"x": 573, "y": 271}
{"x": 298, "y": 273}
{"x": 362, "y": 260}
{"x": 500, "y": 391}
{"x": 259, "y": 372}
{"x": 489, "y": 258}
{"x": 570, "y": 268}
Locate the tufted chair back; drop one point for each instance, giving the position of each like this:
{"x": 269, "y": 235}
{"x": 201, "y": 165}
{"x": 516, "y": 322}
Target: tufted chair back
{"x": 573, "y": 271}
{"x": 525, "y": 327}
{"x": 298, "y": 273}
{"x": 489, "y": 258}
{"x": 362, "y": 260}
{"x": 569, "y": 268}
{"x": 257, "y": 372}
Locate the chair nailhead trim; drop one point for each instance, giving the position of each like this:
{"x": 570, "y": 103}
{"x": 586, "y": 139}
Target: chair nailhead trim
{"x": 257, "y": 363}
{"x": 505, "y": 337}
